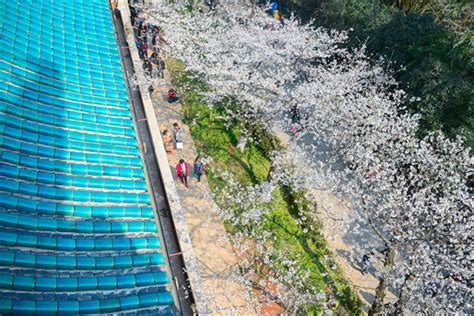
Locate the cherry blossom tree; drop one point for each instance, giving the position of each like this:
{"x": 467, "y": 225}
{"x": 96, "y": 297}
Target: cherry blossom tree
{"x": 264, "y": 267}
{"x": 413, "y": 194}
{"x": 224, "y": 54}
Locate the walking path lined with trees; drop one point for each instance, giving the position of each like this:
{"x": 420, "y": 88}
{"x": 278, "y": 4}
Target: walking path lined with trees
{"x": 213, "y": 259}
{"x": 209, "y": 241}
{"x": 304, "y": 251}
{"x": 350, "y": 141}
{"x": 217, "y": 261}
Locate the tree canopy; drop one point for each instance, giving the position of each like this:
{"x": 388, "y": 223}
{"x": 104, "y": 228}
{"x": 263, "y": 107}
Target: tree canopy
{"x": 354, "y": 138}
{"x": 429, "y": 44}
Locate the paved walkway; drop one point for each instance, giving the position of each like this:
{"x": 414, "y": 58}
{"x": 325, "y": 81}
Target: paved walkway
{"x": 216, "y": 259}
{"x": 215, "y": 255}
{"x": 338, "y": 225}
{"x": 337, "y": 219}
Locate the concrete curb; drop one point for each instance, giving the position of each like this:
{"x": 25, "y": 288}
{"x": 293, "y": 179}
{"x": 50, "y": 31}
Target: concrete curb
{"x": 171, "y": 193}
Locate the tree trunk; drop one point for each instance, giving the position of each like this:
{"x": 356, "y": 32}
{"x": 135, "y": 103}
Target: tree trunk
{"x": 398, "y": 307}
{"x": 275, "y": 146}
{"x": 377, "y": 305}
{"x": 243, "y": 140}
{"x": 270, "y": 172}
{"x": 252, "y": 4}
{"x": 400, "y": 303}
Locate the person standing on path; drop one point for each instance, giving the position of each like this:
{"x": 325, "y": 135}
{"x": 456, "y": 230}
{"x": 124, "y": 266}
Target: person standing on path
{"x": 366, "y": 262}
{"x": 295, "y": 114}
{"x": 198, "y": 168}
{"x": 160, "y": 67}
{"x": 140, "y": 51}
{"x": 148, "y": 67}
{"x": 178, "y": 136}
{"x": 182, "y": 172}
{"x": 168, "y": 141}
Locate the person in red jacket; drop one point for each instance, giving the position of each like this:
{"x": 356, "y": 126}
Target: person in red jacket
{"x": 182, "y": 172}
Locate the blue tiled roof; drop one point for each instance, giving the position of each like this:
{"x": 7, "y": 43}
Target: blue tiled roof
{"x": 77, "y": 229}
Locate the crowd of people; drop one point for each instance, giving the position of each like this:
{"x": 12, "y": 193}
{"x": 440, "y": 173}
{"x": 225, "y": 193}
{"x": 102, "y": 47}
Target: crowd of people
{"x": 148, "y": 38}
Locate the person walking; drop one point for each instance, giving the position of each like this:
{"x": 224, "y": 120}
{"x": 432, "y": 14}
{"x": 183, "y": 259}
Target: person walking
{"x": 182, "y": 172}
{"x": 140, "y": 51}
{"x": 160, "y": 67}
{"x": 162, "y": 63}
{"x": 168, "y": 141}
{"x": 198, "y": 168}
{"x": 148, "y": 67}
{"x": 153, "y": 58}
{"x": 295, "y": 114}
{"x": 178, "y": 136}
{"x": 144, "y": 49}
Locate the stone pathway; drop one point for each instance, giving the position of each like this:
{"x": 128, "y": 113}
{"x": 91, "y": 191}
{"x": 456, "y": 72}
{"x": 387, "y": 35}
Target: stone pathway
{"x": 208, "y": 254}
{"x": 216, "y": 259}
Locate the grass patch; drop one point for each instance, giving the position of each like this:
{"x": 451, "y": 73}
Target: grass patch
{"x": 252, "y": 166}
